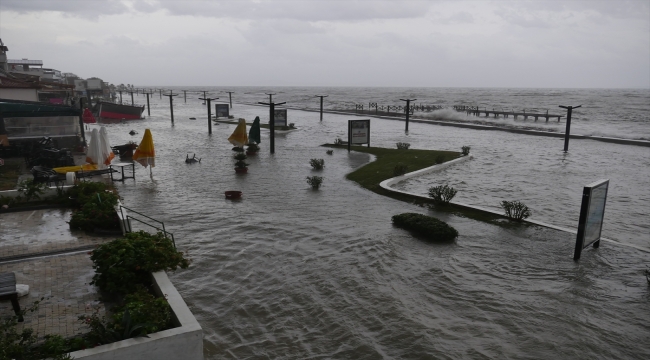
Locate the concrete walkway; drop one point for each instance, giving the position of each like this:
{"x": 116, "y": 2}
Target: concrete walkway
{"x": 39, "y": 247}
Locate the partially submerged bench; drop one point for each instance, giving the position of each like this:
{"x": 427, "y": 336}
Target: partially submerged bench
{"x": 8, "y": 292}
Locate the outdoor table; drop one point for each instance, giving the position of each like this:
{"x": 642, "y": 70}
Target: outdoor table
{"x": 122, "y": 167}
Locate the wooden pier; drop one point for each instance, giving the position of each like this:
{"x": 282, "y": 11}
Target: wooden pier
{"x": 471, "y": 110}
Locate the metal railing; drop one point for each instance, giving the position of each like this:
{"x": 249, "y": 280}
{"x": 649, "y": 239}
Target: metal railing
{"x": 127, "y": 225}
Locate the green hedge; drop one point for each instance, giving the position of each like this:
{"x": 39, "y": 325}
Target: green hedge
{"x": 426, "y": 226}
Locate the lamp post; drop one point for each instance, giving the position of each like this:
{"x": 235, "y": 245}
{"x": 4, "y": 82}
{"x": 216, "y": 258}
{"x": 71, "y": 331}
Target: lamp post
{"x": 270, "y": 97}
{"x": 321, "y": 105}
{"x": 408, "y": 111}
{"x": 567, "y": 133}
{"x": 171, "y": 104}
{"x": 272, "y": 122}
{"x": 209, "y": 113}
{"x": 230, "y": 97}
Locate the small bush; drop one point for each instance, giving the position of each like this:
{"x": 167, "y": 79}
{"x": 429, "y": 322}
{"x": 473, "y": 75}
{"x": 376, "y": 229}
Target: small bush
{"x": 440, "y": 159}
{"x": 330, "y": 152}
{"x": 317, "y": 163}
{"x": 123, "y": 264}
{"x": 425, "y": 226}
{"x": 314, "y": 181}
{"x": 403, "y": 145}
{"x": 144, "y": 308}
{"x": 515, "y": 210}
{"x": 97, "y": 212}
{"x": 338, "y": 141}
{"x": 400, "y": 169}
{"x": 31, "y": 190}
{"x": 292, "y": 125}
{"x": 442, "y": 194}
{"x": 465, "y": 150}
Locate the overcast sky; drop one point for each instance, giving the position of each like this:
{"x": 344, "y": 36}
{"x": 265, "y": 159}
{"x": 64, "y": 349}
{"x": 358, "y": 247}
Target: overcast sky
{"x": 337, "y": 43}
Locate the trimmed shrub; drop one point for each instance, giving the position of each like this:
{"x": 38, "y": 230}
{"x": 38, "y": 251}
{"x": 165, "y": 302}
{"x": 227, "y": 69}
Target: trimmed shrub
{"x": 314, "y": 181}
{"x": 338, "y": 141}
{"x": 97, "y": 212}
{"x": 403, "y": 146}
{"x": 465, "y": 150}
{"x": 442, "y": 194}
{"x": 317, "y": 163}
{"x": 400, "y": 169}
{"x": 515, "y": 210}
{"x": 144, "y": 308}
{"x": 123, "y": 264}
{"x": 330, "y": 152}
{"x": 426, "y": 226}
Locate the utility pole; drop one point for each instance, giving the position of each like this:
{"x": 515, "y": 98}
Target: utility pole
{"x": 207, "y": 100}
{"x": 567, "y": 133}
{"x": 272, "y": 122}
{"x": 171, "y": 104}
{"x": 408, "y": 111}
{"x": 321, "y": 105}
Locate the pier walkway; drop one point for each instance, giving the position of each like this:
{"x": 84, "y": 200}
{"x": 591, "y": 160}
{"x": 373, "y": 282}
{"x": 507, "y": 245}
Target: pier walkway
{"x": 470, "y": 110}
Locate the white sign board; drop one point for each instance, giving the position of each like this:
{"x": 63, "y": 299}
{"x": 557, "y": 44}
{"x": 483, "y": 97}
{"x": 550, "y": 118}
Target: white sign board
{"x": 359, "y": 131}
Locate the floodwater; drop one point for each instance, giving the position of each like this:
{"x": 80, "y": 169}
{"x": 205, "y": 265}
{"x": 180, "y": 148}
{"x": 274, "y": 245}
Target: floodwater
{"x": 292, "y": 273}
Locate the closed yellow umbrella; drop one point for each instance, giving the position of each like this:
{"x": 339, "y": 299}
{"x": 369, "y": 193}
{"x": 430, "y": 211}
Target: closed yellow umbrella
{"x": 239, "y": 137}
{"x": 145, "y": 153}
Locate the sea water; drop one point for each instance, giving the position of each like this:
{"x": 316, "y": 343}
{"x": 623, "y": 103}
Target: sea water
{"x": 289, "y": 272}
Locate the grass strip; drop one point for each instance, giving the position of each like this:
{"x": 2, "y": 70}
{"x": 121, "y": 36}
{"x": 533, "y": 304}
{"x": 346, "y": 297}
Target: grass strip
{"x": 370, "y": 175}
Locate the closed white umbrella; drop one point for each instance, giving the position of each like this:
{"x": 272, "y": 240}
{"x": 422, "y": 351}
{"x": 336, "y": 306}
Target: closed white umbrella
{"x": 107, "y": 154}
{"x": 93, "y": 155}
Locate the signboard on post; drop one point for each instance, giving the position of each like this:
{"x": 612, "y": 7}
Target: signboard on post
{"x": 221, "y": 110}
{"x": 592, "y": 212}
{"x": 280, "y": 117}
{"x": 358, "y": 132}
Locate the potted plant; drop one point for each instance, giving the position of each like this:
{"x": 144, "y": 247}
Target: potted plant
{"x": 252, "y": 149}
{"x": 241, "y": 167}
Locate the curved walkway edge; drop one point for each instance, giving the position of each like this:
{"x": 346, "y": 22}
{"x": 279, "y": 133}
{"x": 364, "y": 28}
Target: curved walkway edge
{"x": 386, "y": 184}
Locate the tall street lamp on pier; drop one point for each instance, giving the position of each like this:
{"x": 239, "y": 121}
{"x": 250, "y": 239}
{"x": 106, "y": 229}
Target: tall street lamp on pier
{"x": 270, "y": 97}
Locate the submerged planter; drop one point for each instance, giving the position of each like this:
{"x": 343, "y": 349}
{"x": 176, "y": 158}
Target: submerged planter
{"x": 249, "y": 153}
{"x": 241, "y": 170}
{"x": 233, "y": 194}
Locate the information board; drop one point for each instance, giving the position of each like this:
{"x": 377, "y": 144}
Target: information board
{"x": 222, "y": 110}
{"x": 358, "y": 132}
{"x": 280, "y": 117}
{"x": 592, "y": 213}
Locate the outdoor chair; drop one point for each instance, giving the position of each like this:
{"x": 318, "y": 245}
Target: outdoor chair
{"x": 8, "y": 292}
{"x": 46, "y": 175}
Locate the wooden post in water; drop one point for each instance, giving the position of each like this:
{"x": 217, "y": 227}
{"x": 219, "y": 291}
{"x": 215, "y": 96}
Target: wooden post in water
{"x": 132, "y": 102}
{"x": 207, "y": 100}
{"x": 408, "y": 111}
{"x": 120, "y": 91}
{"x": 185, "y": 95}
{"x": 567, "y": 133}
{"x": 171, "y": 104}
{"x": 321, "y": 105}
{"x": 148, "y": 108}
{"x": 272, "y": 122}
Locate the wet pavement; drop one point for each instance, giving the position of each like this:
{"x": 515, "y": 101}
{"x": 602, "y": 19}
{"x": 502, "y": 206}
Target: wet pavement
{"x": 39, "y": 247}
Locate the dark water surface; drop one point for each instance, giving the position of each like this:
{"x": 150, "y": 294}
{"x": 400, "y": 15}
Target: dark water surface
{"x": 292, "y": 273}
